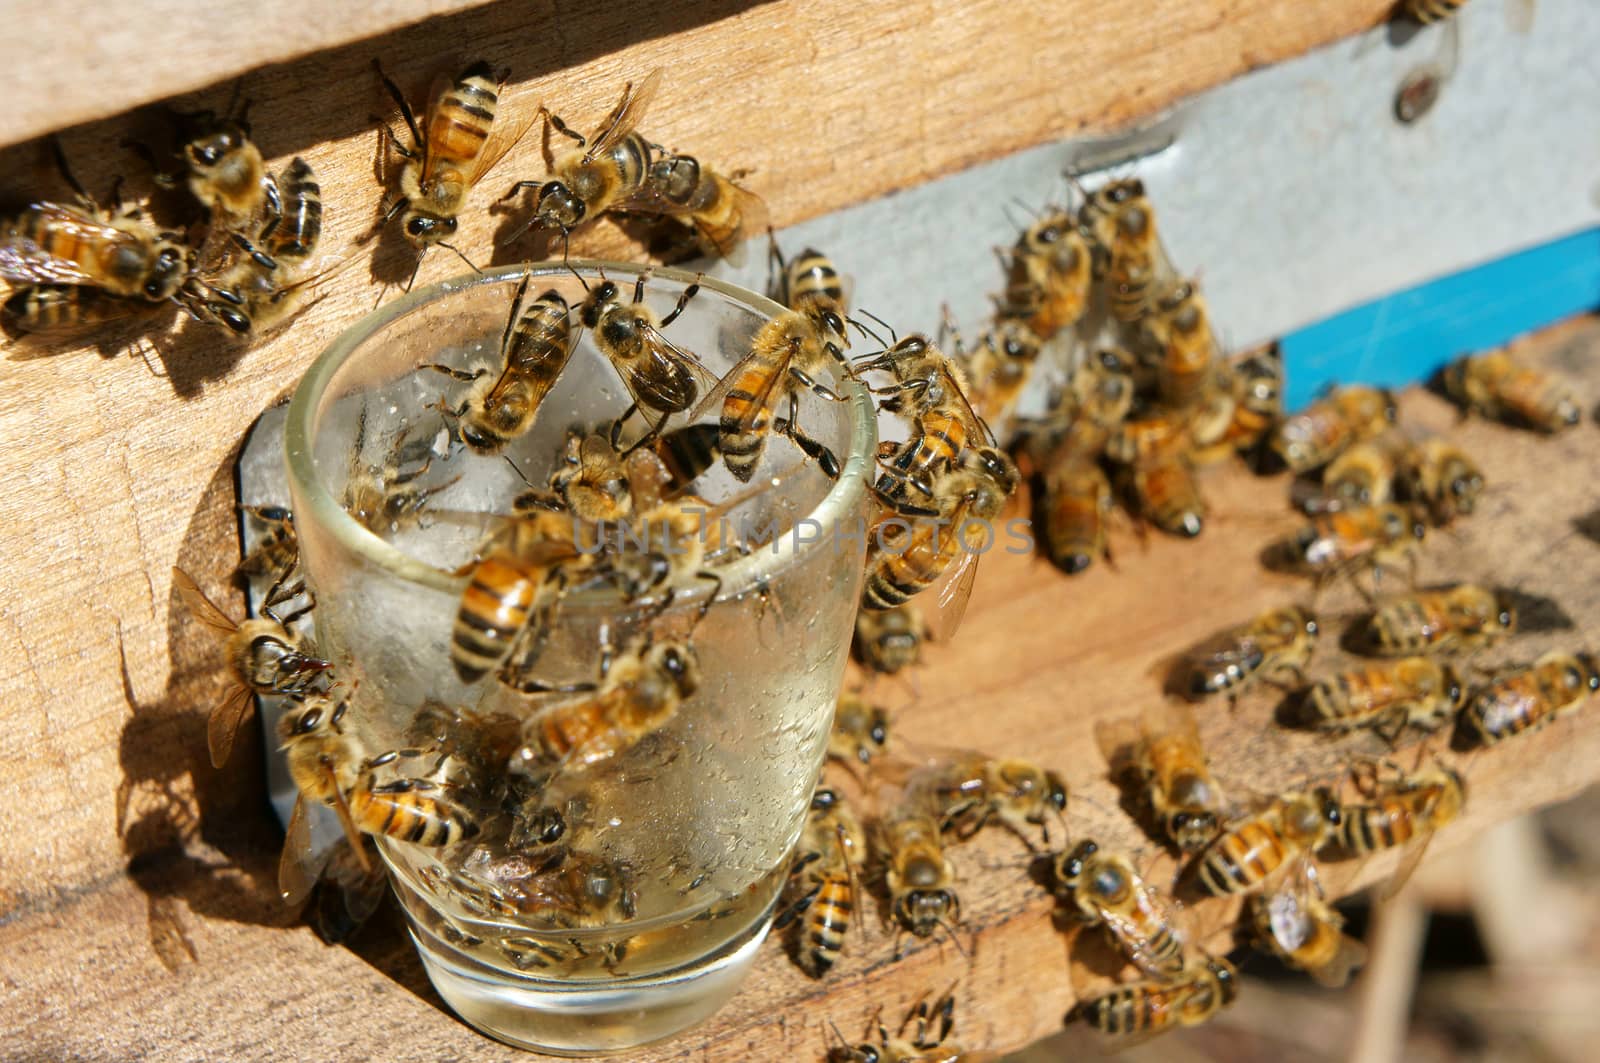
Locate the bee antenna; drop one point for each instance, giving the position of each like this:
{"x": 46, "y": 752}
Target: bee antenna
{"x": 954, "y": 938}
{"x": 893, "y": 336}
{"x": 461, "y": 256}
{"x": 414, "y": 271}
{"x": 520, "y": 474}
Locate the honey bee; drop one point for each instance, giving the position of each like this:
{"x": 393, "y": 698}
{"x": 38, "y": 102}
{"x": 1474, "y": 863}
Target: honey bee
{"x": 719, "y": 209}
{"x": 63, "y": 309}
{"x": 1258, "y": 396}
{"x": 1362, "y": 476}
{"x": 534, "y": 349}
{"x": 808, "y": 283}
{"x": 1387, "y": 697}
{"x": 903, "y": 560}
{"x": 1325, "y": 429}
{"x": 1167, "y": 494}
{"x": 1137, "y": 1010}
{"x": 1278, "y": 641}
{"x": 606, "y": 172}
{"x": 384, "y": 496}
{"x": 1161, "y": 753}
{"x": 922, "y": 1046}
{"x": 1155, "y": 439}
{"x": 1085, "y": 415}
{"x": 890, "y": 640}
{"x": 659, "y": 375}
{"x": 1522, "y": 699}
{"x": 293, "y": 235}
{"x": 1466, "y": 616}
{"x": 450, "y": 153}
{"x": 264, "y": 655}
{"x": 596, "y": 483}
{"x": 1123, "y": 223}
{"x": 1109, "y": 892}
{"x": 226, "y": 172}
{"x": 1077, "y": 506}
{"x": 327, "y": 767}
{"x": 860, "y": 730}
{"x": 966, "y": 791}
{"x": 1441, "y": 477}
{"x": 999, "y": 366}
{"x": 565, "y": 889}
{"x": 919, "y": 875}
{"x": 277, "y": 550}
{"x": 1249, "y": 851}
{"x": 828, "y": 859}
{"x": 640, "y": 690}
{"x": 1048, "y": 278}
{"x": 349, "y": 889}
{"x": 1373, "y": 537}
{"x": 123, "y": 255}
{"x": 932, "y": 391}
{"x": 1181, "y": 326}
{"x": 1296, "y": 925}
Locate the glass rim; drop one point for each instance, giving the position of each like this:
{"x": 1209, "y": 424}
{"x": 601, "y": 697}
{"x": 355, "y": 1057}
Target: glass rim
{"x": 753, "y": 570}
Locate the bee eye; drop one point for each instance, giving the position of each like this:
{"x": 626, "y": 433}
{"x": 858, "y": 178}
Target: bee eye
{"x": 1181, "y": 820}
{"x": 1573, "y": 678}
{"x": 1049, "y": 234}
{"x": 878, "y": 734}
{"x": 418, "y": 226}
{"x": 309, "y": 721}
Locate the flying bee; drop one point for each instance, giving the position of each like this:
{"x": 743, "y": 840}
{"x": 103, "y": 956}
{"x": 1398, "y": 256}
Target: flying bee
{"x": 860, "y": 730}
{"x": 1300, "y": 928}
{"x": 1048, "y": 277}
{"x": 264, "y": 655}
{"x": 1138, "y": 1010}
{"x": 1526, "y": 698}
{"x": 890, "y": 640}
{"x": 1250, "y": 850}
{"x": 451, "y": 151}
{"x": 640, "y": 691}
{"x": 327, "y": 767}
{"x": 1441, "y": 477}
{"x": 931, "y": 391}
{"x": 999, "y": 366}
{"x": 1109, "y": 892}
{"x": 1362, "y": 476}
{"x": 1387, "y": 697}
{"x": 919, "y": 875}
{"x": 967, "y": 791}
{"x": 1375, "y": 537}
{"x": 1405, "y": 810}
{"x": 1167, "y": 493}
{"x": 1181, "y": 327}
{"x": 1162, "y": 755}
{"x": 1258, "y": 395}
{"x": 903, "y": 560}
{"x": 921, "y": 1046}
{"x": 829, "y": 858}
{"x": 659, "y": 375}
{"x": 1077, "y": 507}
{"x": 716, "y": 206}
{"x": 1122, "y": 221}
{"x": 605, "y": 172}
{"x": 1322, "y": 431}
{"x": 1464, "y": 617}
{"x": 534, "y": 349}
{"x": 1278, "y": 641}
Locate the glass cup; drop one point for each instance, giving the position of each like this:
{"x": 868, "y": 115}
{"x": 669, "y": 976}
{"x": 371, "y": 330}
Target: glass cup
{"x": 597, "y": 906}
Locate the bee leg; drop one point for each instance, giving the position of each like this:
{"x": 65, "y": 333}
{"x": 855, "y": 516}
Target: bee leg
{"x": 536, "y": 686}
{"x": 683, "y": 300}
{"x": 147, "y": 155}
{"x": 260, "y": 258}
{"x": 799, "y": 907}
{"x": 553, "y": 121}
{"x": 616, "y": 426}
{"x": 405, "y": 112}
{"x": 68, "y": 176}
{"x": 815, "y": 385}
{"x": 457, "y": 374}
{"x": 776, "y": 286}
{"x": 1391, "y": 725}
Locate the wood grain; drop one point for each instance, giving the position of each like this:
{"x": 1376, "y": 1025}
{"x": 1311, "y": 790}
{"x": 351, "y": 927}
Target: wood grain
{"x": 1043, "y": 658}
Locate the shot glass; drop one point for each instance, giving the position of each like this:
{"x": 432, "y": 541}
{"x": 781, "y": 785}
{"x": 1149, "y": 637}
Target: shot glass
{"x": 595, "y": 907}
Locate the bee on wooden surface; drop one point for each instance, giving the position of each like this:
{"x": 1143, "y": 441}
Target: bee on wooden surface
{"x": 1180, "y": 325}
{"x": 640, "y": 691}
{"x": 890, "y": 640}
{"x": 327, "y": 767}
{"x": 999, "y": 366}
{"x": 1048, "y": 277}
{"x": 1077, "y": 508}
{"x": 1521, "y": 699}
{"x": 1322, "y": 431}
{"x": 1167, "y": 494}
{"x": 1277, "y": 642}
{"x": 264, "y": 656}
{"x": 1296, "y": 925}
{"x": 860, "y": 730}
{"x": 1362, "y": 476}
{"x": 1386, "y": 697}
{"x": 1108, "y": 891}
{"x": 920, "y": 877}
{"x": 969, "y": 790}
{"x": 931, "y": 391}
{"x": 122, "y": 254}
{"x": 226, "y": 172}
{"x": 1258, "y": 395}
{"x": 1405, "y": 810}
{"x": 1122, "y": 221}
{"x": 1443, "y": 478}
{"x": 64, "y": 309}
{"x": 453, "y": 149}
{"x": 534, "y": 349}
{"x": 659, "y": 375}
{"x": 1161, "y": 753}
{"x": 920, "y": 1046}
{"x": 294, "y": 235}
{"x": 715, "y": 205}
{"x": 1464, "y": 617}
{"x": 1374, "y": 537}
{"x": 605, "y": 172}
{"x": 1138, "y": 1010}
{"x": 828, "y": 861}
{"x": 1250, "y": 850}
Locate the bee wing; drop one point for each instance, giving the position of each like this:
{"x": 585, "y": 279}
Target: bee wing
{"x": 298, "y": 866}
{"x": 23, "y": 261}
{"x": 499, "y": 145}
{"x": 953, "y": 597}
{"x": 760, "y": 402}
{"x": 197, "y": 603}
{"x": 959, "y": 389}
{"x": 223, "y": 723}
{"x": 348, "y": 892}
{"x": 1407, "y": 866}
{"x": 664, "y": 354}
{"x": 624, "y": 117}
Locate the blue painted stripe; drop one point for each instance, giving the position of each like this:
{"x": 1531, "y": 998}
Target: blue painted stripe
{"x": 1407, "y": 336}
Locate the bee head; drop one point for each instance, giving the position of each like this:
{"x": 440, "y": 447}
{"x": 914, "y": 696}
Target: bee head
{"x": 559, "y": 207}
{"x": 424, "y": 229}
{"x": 481, "y": 437}
{"x": 168, "y": 273}
{"x": 602, "y": 295}
{"x": 677, "y": 664}
{"x": 1227, "y": 982}
{"x": 1069, "y": 866}
{"x": 207, "y": 151}
{"x": 1056, "y": 791}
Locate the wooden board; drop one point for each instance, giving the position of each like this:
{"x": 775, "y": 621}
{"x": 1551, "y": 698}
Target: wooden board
{"x": 1043, "y": 657}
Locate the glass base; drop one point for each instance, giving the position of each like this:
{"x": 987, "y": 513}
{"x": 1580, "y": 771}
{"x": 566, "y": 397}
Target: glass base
{"x": 586, "y": 1018}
